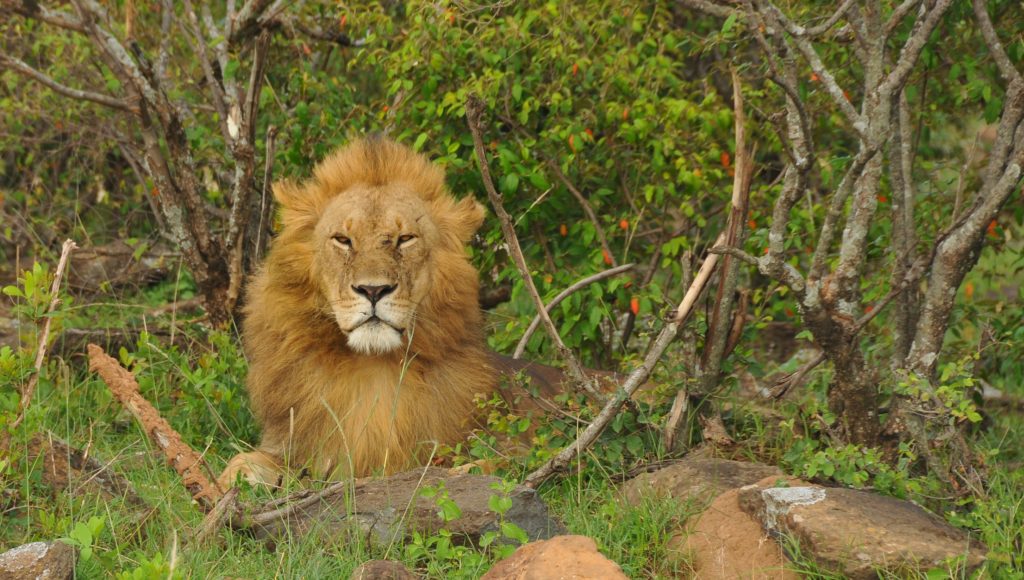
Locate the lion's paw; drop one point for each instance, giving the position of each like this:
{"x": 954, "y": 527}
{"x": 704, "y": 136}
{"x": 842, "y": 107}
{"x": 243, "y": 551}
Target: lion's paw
{"x": 257, "y": 467}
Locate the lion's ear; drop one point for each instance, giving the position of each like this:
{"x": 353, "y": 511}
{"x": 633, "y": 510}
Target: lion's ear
{"x": 464, "y": 219}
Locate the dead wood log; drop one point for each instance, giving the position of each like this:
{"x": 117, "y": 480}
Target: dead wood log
{"x": 186, "y": 462}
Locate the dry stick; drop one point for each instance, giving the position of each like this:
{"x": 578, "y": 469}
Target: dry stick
{"x": 562, "y": 296}
{"x": 474, "y": 112}
{"x": 721, "y": 322}
{"x": 587, "y": 209}
{"x": 183, "y": 458}
{"x": 220, "y": 513}
{"x": 633, "y": 382}
{"x": 44, "y": 337}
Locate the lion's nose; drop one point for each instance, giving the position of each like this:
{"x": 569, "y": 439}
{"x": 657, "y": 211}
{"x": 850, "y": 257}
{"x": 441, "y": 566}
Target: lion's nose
{"x": 374, "y": 293}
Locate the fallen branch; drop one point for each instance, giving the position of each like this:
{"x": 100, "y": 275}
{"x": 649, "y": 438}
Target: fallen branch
{"x": 44, "y": 338}
{"x": 474, "y": 112}
{"x": 186, "y": 462}
{"x": 583, "y": 283}
{"x": 633, "y": 382}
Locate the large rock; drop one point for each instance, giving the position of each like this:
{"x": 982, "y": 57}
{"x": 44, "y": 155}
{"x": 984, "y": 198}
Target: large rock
{"x": 700, "y": 478}
{"x": 725, "y": 543}
{"x": 563, "y": 557}
{"x": 382, "y": 570}
{"x": 39, "y": 561}
{"x": 389, "y": 509}
{"x": 856, "y": 532}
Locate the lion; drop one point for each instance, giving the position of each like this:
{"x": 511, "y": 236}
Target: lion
{"x": 362, "y": 327}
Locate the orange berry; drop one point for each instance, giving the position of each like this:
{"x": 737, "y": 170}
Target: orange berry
{"x": 625, "y": 113}
{"x": 562, "y": 229}
{"x": 725, "y": 159}
{"x": 752, "y": 224}
{"x": 342, "y": 21}
{"x": 575, "y": 68}
{"x": 814, "y": 77}
{"x": 607, "y": 257}
{"x": 590, "y": 133}
{"x": 969, "y": 290}
{"x": 572, "y": 143}
{"x": 634, "y": 305}
{"x": 624, "y": 224}
{"x": 992, "y": 229}
{"x": 882, "y": 199}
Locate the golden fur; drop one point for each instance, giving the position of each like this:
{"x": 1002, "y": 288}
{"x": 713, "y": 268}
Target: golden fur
{"x": 344, "y": 384}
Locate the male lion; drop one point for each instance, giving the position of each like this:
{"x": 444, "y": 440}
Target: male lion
{"x": 362, "y": 328}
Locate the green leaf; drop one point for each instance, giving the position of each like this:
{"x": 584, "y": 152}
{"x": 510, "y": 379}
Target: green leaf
{"x": 420, "y": 140}
{"x": 514, "y": 532}
{"x": 729, "y": 23}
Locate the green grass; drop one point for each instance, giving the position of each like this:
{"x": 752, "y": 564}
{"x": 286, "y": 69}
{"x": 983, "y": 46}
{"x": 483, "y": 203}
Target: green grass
{"x": 197, "y": 384}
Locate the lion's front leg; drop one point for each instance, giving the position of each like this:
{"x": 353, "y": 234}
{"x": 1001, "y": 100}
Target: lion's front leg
{"x": 257, "y": 467}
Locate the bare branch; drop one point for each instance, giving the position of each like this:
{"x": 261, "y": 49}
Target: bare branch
{"x": 720, "y": 320}
{"x": 629, "y": 386}
{"x": 828, "y": 24}
{"x": 898, "y": 15}
{"x": 1008, "y": 71}
{"x": 835, "y": 212}
{"x": 474, "y": 112}
{"x": 219, "y": 100}
{"x": 804, "y": 46}
{"x": 587, "y": 209}
{"x": 34, "y": 10}
{"x": 44, "y": 336}
{"x": 912, "y": 48}
{"x": 709, "y": 8}
{"x": 24, "y": 69}
{"x": 582, "y": 283}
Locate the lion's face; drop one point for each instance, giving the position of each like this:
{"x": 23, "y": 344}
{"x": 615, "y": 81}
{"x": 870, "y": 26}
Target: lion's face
{"x": 372, "y": 251}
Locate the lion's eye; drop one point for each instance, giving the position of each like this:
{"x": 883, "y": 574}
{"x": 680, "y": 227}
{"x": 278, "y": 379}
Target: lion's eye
{"x": 405, "y": 240}
{"x": 342, "y": 241}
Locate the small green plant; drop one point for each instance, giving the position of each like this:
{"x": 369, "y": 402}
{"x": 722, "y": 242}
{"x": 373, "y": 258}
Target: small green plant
{"x": 150, "y": 567}
{"x": 955, "y": 389}
{"x": 85, "y": 535}
{"x": 445, "y": 555}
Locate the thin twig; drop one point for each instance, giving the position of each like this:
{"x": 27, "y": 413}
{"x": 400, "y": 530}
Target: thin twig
{"x": 583, "y": 283}
{"x": 25, "y": 70}
{"x": 474, "y": 112}
{"x": 629, "y": 386}
{"x": 44, "y": 337}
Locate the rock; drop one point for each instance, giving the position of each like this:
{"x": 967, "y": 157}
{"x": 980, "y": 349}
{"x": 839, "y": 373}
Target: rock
{"x": 563, "y": 557}
{"x": 68, "y": 469}
{"x": 726, "y": 543}
{"x": 857, "y": 533}
{"x": 701, "y": 478}
{"x": 382, "y": 570}
{"x": 391, "y": 508}
{"x": 39, "y": 560}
